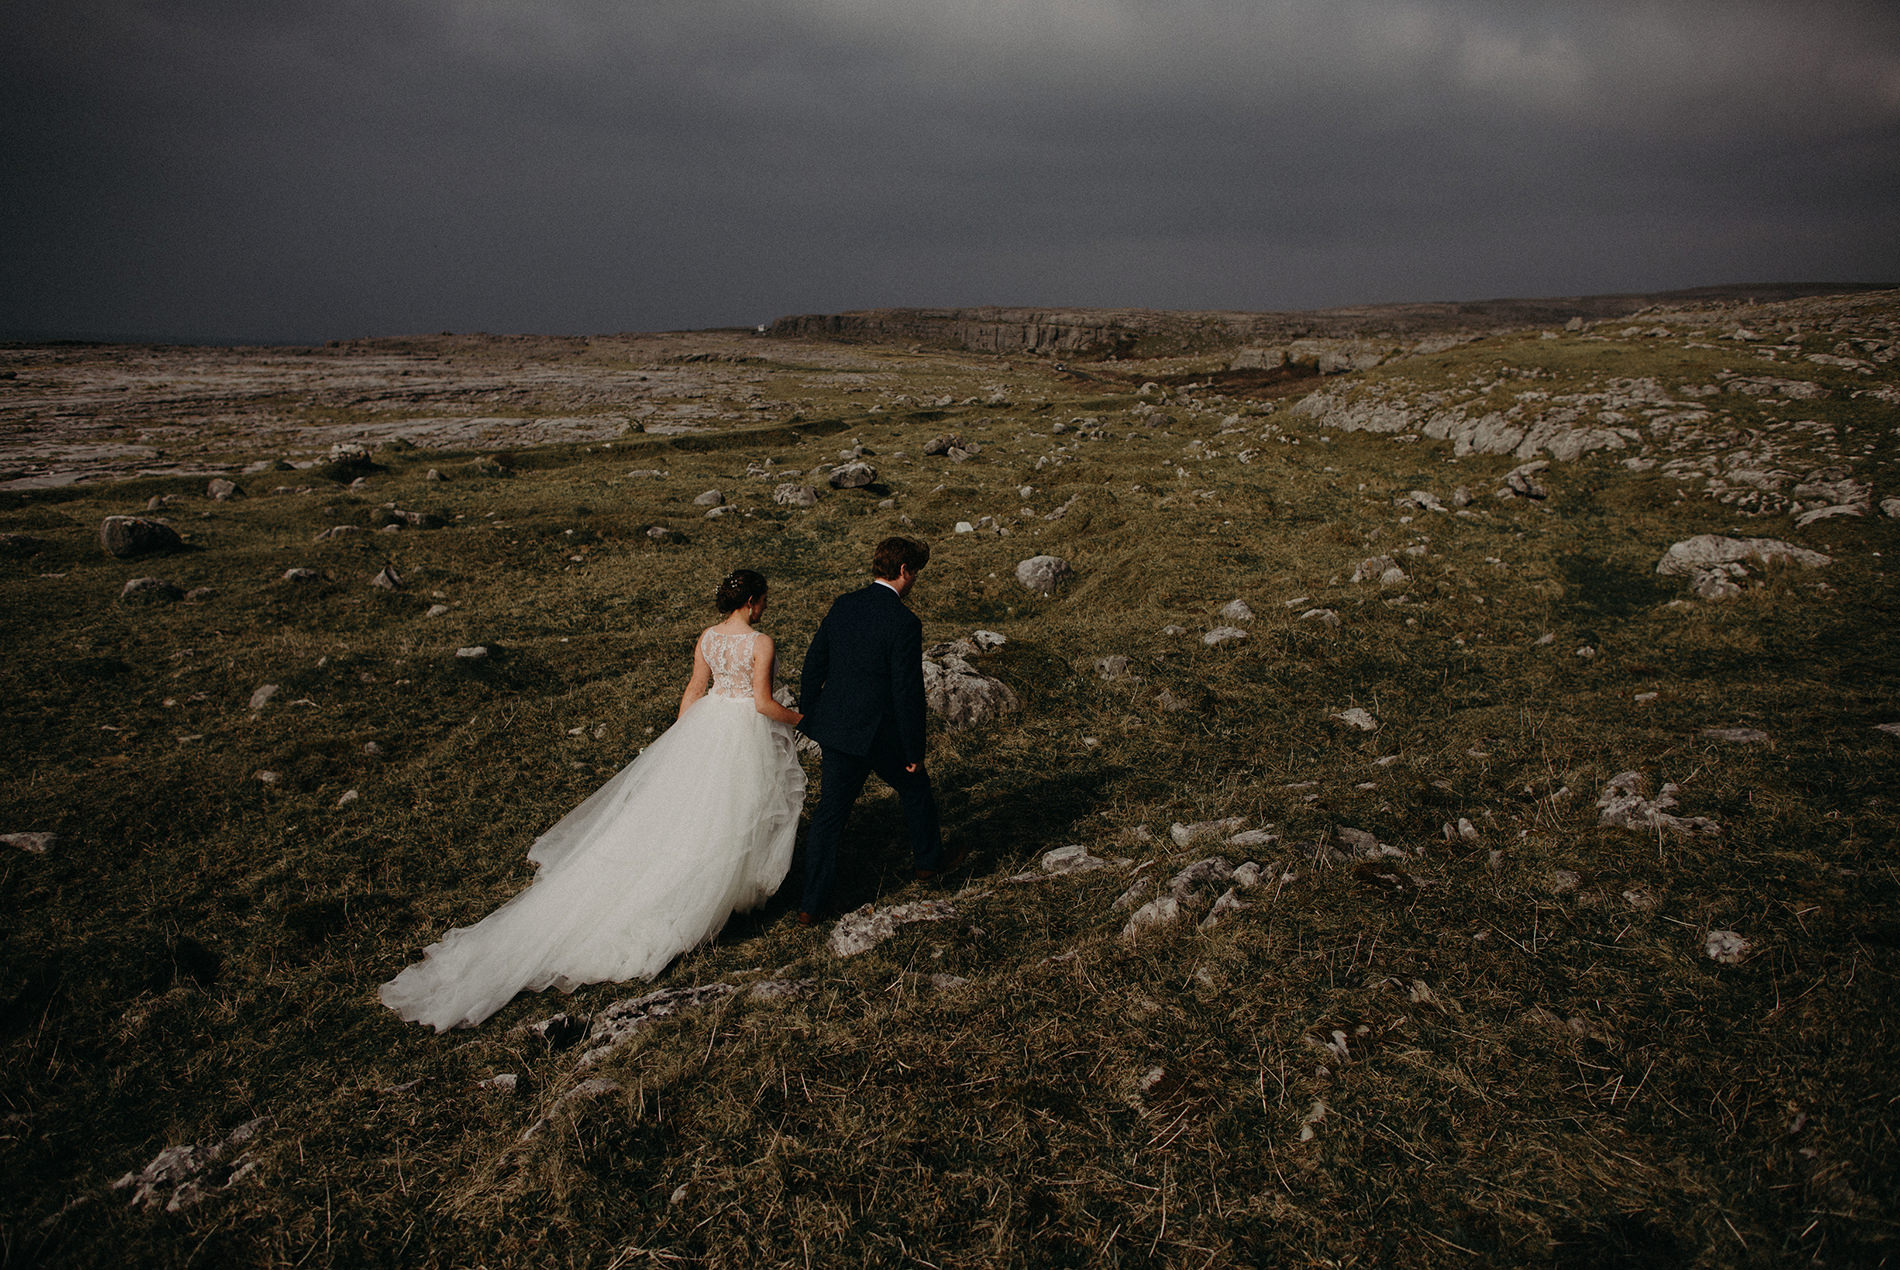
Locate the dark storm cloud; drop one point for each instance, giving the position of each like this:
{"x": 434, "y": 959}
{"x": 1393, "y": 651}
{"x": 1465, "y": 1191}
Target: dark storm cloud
{"x": 300, "y": 171}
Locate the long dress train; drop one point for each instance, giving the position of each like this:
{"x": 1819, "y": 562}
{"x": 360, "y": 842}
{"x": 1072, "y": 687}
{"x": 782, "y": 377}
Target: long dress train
{"x": 698, "y": 826}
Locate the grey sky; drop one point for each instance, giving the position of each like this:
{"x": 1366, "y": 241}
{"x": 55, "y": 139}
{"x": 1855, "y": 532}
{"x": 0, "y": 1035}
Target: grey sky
{"x": 235, "y": 169}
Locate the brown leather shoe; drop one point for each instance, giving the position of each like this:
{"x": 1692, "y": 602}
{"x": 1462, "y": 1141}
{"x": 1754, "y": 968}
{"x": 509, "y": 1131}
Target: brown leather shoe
{"x": 804, "y": 918}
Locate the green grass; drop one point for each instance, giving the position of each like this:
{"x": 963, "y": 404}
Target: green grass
{"x": 1550, "y": 1074}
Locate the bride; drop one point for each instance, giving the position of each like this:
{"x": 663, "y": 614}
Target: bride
{"x": 698, "y": 826}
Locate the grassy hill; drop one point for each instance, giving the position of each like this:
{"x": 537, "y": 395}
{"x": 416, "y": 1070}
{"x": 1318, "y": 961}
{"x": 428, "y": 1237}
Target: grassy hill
{"x": 1493, "y": 1030}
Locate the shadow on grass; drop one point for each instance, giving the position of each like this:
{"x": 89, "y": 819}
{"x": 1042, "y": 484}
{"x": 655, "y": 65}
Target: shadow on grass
{"x": 1008, "y": 818}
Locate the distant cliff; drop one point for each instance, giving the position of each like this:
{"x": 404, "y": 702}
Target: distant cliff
{"x": 1096, "y": 333}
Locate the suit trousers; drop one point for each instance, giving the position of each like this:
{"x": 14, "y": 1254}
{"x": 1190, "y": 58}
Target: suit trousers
{"x": 842, "y": 779}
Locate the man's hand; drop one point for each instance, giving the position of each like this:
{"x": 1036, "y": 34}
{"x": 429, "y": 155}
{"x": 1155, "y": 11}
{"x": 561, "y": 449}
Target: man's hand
{"x": 912, "y": 768}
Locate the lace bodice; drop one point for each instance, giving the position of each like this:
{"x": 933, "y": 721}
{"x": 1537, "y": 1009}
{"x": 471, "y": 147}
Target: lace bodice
{"x": 730, "y": 657}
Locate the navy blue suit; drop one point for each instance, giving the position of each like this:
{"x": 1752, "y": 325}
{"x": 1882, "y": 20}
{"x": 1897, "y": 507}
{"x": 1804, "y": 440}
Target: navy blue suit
{"x": 862, "y": 692}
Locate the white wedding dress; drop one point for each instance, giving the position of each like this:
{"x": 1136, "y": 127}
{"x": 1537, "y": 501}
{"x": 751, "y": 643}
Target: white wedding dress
{"x": 698, "y": 826}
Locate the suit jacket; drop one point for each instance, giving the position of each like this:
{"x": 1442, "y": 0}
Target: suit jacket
{"x": 862, "y": 689}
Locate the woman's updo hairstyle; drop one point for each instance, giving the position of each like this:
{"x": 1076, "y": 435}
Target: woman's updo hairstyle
{"x": 738, "y": 589}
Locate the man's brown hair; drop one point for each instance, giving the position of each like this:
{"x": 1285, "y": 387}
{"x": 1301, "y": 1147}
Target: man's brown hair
{"x": 894, "y": 553}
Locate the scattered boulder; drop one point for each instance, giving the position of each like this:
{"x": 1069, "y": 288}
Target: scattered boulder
{"x": 1624, "y": 804}
{"x": 1183, "y": 835}
{"x": 1073, "y": 859}
{"x": 1041, "y": 574}
{"x": 129, "y": 536}
{"x": 962, "y": 695}
{"x": 1228, "y": 902}
{"x": 474, "y": 652}
{"x": 1725, "y": 946}
{"x": 388, "y": 579}
{"x": 793, "y": 494}
{"x": 34, "y": 843}
{"x": 1236, "y": 611}
{"x": 302, "y": 575}
{"x": 944, "y": 444}
{"x": 150, "y": 591}
{"x": 1202, "y": 875}
{"x": 222, "y": 490}
{"x": 1113, "y": 666}
{"x": 180, "y": 1176}
{"x": 1155, "y": 914}
{"x": 1712, "y": 563}
{"x": 262, "y": 696}
{"x": 1377, "y": 569}
{"x": 1326, "y": 617}
{"x": 854, "y": 475}
{"x": 1223, "y": 634}
{"x": 864, "y": 929}
{"x": 664, "y": 534}
{"x": 1522, "y": 480}
{"x": 1357, "y": 844}
{"x": 711, "y": 498}
{"x": 988, "y": 641}
{"x": 619, "y": 1022}
{"x": 1359, "y": 718}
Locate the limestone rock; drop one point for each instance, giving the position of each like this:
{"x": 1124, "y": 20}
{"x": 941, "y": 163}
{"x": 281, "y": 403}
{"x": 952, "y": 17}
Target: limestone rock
{"x": 1228, "y": 902}
{"x": 1041, "y": 574}
{"x": 1183, "y": 835}
{"x": 1200, "y": 876}
{"x": 1624, "y": 804}
{"x": 1374, "y": 568}
{"x": 1713, "y": 563}
{"x": 34, "y": 843}
{"x": 222, "y": 490}
{"x": 711, "y": 498}
{"x": 1073, "y": 859}
{"x": 1522, "y": 480}
{"x": 150, "y": 591}
{"x": 1725, "y": 946}
{"x": 388, "y": 579}
{"x": 1359, "y": 718}
{"x": 1222, "y": 635}
{"x": 1113, "y": 666}
{"x": 1153, "y": 915}
{"x": 955, "y": 690}
{"x": 180, "y": 1176}
{"x": 944, "y": 444}
{"x": 864, "y": 929}
{"x": 1705, "y": 551}
{"x": 988, "y": 641}
{"x": 664, "y": 534}
{"x": 1236, "y": 611}
{"x": 129, "y": 536}
{"x": 853, "y": 475}
{"x": 619, "y": 1022}
{"x": 1326, "y": 617}
{"x": 793, "y": 494}
{"x": 302, "y": 575}
{"x": 474, "y": 652}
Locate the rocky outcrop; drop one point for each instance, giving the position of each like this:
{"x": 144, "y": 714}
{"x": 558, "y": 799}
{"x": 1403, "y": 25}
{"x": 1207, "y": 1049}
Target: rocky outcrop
{"x": 1329, "y": 339}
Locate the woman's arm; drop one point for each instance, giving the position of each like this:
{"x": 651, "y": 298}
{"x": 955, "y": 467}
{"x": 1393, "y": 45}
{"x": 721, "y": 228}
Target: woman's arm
{"x": 696, "y": 686}
{"x": 763, "y": 659}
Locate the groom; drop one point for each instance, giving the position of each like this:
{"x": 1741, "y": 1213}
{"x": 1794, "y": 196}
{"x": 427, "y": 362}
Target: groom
{"x": 863, "y": 697}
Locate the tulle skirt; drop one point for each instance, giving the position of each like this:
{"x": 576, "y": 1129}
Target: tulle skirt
{"x": 697, "y": 827}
